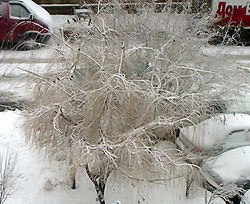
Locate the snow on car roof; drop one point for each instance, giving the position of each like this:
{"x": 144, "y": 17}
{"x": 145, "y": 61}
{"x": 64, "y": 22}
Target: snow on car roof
{"x": 213, "y": 131}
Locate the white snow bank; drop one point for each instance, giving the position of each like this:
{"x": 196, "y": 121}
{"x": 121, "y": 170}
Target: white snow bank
{"x": 242, "y": 102}
{"x": 213, "y": 131}
{"x": 61, "y": 20}
{"x": 235, "y": 51}
{"x": 39, "y": 12}
{"x": 43, "y": 55}
{"x": 38, "y": 180}
{"x": 8, "y": 129}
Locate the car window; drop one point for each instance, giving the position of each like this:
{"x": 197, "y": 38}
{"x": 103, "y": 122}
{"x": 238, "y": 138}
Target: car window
{"x": 19, "y": 11}
{"x": 1, "y": 9}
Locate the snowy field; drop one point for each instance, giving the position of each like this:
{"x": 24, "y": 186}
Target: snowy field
{"x": 241, "y": 61}
{"x": 41, "y": 182}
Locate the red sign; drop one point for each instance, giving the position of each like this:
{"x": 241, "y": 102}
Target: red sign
{"x": 233, "y": 14}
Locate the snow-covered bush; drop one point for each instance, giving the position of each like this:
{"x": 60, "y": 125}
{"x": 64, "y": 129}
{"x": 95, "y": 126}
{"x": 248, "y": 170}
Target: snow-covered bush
{"x": 7, "y": 175}
{"x": 126, "y": 83}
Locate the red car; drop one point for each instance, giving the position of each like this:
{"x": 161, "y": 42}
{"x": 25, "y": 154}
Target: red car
{"x": 23, "y": 21}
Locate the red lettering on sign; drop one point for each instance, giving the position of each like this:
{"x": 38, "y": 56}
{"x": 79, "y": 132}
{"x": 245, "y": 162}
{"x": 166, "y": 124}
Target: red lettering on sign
{"x": 221, "y": 9}
{"x": 248, "y": 9}
{"x": 229, "y": 10}
{"x": 235, "y": 14}
{"x": 238, "y": 9}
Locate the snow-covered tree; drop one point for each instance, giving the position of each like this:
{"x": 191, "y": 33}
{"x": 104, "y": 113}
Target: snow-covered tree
{"x": 126, "y": 83}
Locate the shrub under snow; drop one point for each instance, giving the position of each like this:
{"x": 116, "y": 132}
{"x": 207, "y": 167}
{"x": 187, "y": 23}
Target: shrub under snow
{"x": 126, "y": 83}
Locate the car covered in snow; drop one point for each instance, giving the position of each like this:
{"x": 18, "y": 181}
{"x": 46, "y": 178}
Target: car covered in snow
{"x": 228, "y": 173}
{"x": 23, "y": 21}
{"x": 246, "y": 198}
{"x": 216, "y": 134}
{"x": 223, "y": 143}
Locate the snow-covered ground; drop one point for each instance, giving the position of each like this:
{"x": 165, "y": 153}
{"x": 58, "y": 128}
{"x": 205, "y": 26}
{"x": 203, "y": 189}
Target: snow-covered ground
{"x": 42, "y": 182}
{"x": 14, "y": 77}
{"x": 240, "y": 56}
{"x": 43, "y": 55}
{"x": 38, "y": 180}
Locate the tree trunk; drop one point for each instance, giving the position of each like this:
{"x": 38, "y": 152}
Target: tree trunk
{"x": 99, "y": 179}
{"x": 72, "y": 174}
{"x": 73, "y": 183}
{"x": 100, "y": 192}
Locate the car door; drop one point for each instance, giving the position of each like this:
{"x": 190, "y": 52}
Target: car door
{"x": 18, "y": 21}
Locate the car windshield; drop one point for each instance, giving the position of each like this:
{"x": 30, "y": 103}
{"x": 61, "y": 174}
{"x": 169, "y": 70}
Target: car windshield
{"x": 239, "y": 138}
{"x": 1, "y": 9}
{"x": 18, "y": 11}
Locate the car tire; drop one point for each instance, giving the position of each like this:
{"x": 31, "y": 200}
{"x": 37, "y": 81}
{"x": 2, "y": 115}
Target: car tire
{"x": 29, "y": 42}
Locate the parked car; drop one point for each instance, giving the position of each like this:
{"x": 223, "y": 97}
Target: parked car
{"x": 22, "y": 22}
{"x": 246, "y": 198}
{"x": 224, "y": 143}
{"x": 216, "y": 134}
{"x": 228, "y": 173}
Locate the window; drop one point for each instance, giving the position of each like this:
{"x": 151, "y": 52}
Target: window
{"x": 18, "y": 11}
{"x": 1, "y": 9}
{"x": 248, "y": 9}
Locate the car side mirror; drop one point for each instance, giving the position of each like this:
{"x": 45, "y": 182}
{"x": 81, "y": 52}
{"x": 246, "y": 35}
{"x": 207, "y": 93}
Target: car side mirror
{"x": 31, "y": 17}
